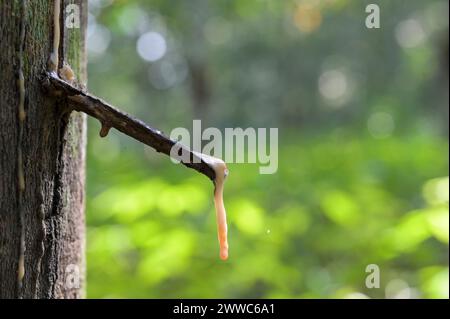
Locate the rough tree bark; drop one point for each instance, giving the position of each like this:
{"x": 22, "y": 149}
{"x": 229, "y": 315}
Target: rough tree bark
{"x": 48, "y": 212}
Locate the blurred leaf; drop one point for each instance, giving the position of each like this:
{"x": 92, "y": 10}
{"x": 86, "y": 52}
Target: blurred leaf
{"x": 247, "y": 215}
{"x": 340, "y": 208}
{"x": 436, "y": 191}
{"x": 435, "y": 282}
{"x": 438, "y": 220}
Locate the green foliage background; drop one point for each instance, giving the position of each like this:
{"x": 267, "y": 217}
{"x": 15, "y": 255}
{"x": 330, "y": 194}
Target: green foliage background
{"x": 362, "y": 180}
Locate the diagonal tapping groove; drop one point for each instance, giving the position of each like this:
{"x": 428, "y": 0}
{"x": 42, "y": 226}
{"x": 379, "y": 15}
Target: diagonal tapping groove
{"x": 111, "y": 117}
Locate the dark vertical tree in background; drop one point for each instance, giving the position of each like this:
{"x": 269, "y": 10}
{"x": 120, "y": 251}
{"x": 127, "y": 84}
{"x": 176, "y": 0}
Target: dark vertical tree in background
{"x": 47, "y": 211}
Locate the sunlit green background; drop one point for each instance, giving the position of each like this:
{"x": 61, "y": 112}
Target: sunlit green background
{"x": 363, "y": 149}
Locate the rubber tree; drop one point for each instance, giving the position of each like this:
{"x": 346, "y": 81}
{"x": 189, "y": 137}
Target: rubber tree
{"x": 42, "y": 165}
{"x": 43, "y": 136}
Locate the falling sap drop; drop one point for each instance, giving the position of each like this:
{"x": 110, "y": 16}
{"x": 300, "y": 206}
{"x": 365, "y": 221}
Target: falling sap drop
{"x": 221, "y": 171}
{"x": 221, "y": 215}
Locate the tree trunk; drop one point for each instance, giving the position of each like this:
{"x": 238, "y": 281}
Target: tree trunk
{"x": 42, "y": 157}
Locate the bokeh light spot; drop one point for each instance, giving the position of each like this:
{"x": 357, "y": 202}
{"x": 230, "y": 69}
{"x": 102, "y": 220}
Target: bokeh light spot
{"x": 409, "y": 33}
{"x": 98, "y": 40}
{"x": 151, "y": 46}
{"x": 333, "y": 84}
{"x": 307, "y": 17}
